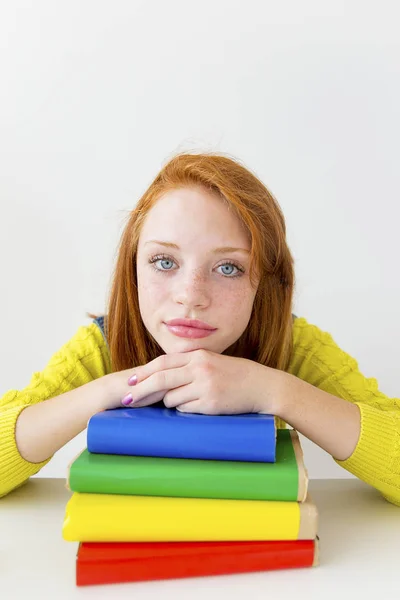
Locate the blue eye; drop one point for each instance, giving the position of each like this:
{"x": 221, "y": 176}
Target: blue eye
{"x": 228, "y": 264}
{"x": 162, "y": 258}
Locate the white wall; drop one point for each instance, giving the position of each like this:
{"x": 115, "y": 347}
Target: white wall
{"x": 97, "y": 95}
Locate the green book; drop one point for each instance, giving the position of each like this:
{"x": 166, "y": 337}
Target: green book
{"x": 286, "y": 479}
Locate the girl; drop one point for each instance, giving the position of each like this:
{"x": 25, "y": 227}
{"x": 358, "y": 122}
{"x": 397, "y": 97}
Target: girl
{"x": 199, "y": 317}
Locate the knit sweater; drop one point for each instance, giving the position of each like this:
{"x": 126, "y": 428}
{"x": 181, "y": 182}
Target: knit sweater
{"x": 316, "y": 359}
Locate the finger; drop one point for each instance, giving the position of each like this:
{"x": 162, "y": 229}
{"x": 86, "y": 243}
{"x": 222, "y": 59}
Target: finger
{"x": 194, "y": 406}
{"x": 174, "y": 398}
{"x": 161, "y": 363}
{"x": 148, "y": 400}
{"x": 162, "y": 381}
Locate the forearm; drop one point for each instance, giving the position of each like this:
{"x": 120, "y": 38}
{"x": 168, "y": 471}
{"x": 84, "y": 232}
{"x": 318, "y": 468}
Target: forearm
{"x": 45, "y": 427}
{"x": 330, "y": 422}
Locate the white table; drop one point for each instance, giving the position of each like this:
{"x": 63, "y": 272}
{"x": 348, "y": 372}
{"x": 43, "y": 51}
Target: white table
{"x": 359, "y": 552}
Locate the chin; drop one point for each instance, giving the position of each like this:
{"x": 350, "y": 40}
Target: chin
{"x": 191, "y": 346}
{"x": 184, "y": 346}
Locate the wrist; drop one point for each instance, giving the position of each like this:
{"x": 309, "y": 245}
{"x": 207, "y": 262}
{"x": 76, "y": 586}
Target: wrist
{"x": 114, "y": 387}
{"x": 101, "y": 394}
{"x": 286, "y": 393}
{"x": 273, "y": 392}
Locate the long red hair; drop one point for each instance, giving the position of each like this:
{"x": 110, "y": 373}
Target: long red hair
{"x": 268, "y": 336}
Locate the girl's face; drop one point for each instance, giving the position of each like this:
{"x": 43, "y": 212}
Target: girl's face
{"x": 193, "y": 263}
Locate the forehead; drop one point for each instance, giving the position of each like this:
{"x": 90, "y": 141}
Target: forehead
{"x": 190, "y": 212}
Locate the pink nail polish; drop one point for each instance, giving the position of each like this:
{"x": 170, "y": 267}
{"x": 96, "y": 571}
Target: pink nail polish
{"x": 132, "y": 380}
{"x": 127, "y": 400}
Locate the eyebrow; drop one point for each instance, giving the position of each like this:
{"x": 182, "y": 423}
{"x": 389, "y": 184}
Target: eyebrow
{"x": 220, "y": 250}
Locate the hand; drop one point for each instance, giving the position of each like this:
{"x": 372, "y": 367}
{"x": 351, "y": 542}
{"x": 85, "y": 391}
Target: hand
{"x": 205, "y": 382}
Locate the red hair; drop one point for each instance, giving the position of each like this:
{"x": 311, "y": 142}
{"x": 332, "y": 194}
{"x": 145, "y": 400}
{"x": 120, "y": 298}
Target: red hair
{"x": 268, "y": 336}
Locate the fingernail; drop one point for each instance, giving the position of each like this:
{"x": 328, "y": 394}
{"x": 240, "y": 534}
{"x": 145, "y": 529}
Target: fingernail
{"x": 132, "y": 380}
{"x": 127, "y": 399}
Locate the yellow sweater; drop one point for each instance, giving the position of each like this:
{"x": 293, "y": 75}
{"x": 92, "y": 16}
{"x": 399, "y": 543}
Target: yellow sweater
{"x": 316, "y": 359}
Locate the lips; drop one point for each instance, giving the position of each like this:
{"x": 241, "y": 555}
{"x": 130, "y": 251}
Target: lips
{"x": 189, "y": 328}
{"x": 195, "y": 323}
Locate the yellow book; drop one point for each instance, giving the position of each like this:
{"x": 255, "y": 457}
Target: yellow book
{"x": 120, "y": 518}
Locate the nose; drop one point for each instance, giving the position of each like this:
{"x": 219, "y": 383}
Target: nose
{"x": 192, "y": 290}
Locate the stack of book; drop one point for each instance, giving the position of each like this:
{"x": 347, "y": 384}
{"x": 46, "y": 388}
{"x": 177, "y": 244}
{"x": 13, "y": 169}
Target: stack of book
{"x": 160, "y": 494}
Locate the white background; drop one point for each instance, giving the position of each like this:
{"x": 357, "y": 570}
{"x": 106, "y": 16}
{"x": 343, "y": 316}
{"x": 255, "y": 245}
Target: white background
{"x": 96, "y": 96}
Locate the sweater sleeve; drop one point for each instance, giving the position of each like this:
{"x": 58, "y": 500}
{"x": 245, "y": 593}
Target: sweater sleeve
{"x": 318, "y": 360}
{"x": 82, "y": 359}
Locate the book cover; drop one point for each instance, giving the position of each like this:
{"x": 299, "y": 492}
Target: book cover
{"x": 285, "y": 479}
{"x": 102, "y": 563}
{"x": 117, "y": 518}
{"x": 168, "y": 433}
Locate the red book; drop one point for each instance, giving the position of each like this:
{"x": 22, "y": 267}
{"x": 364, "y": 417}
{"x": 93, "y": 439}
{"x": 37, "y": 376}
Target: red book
{"x": 119, "y": 562}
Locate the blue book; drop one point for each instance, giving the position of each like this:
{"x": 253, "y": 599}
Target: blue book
{"x": 165, "y": 432}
